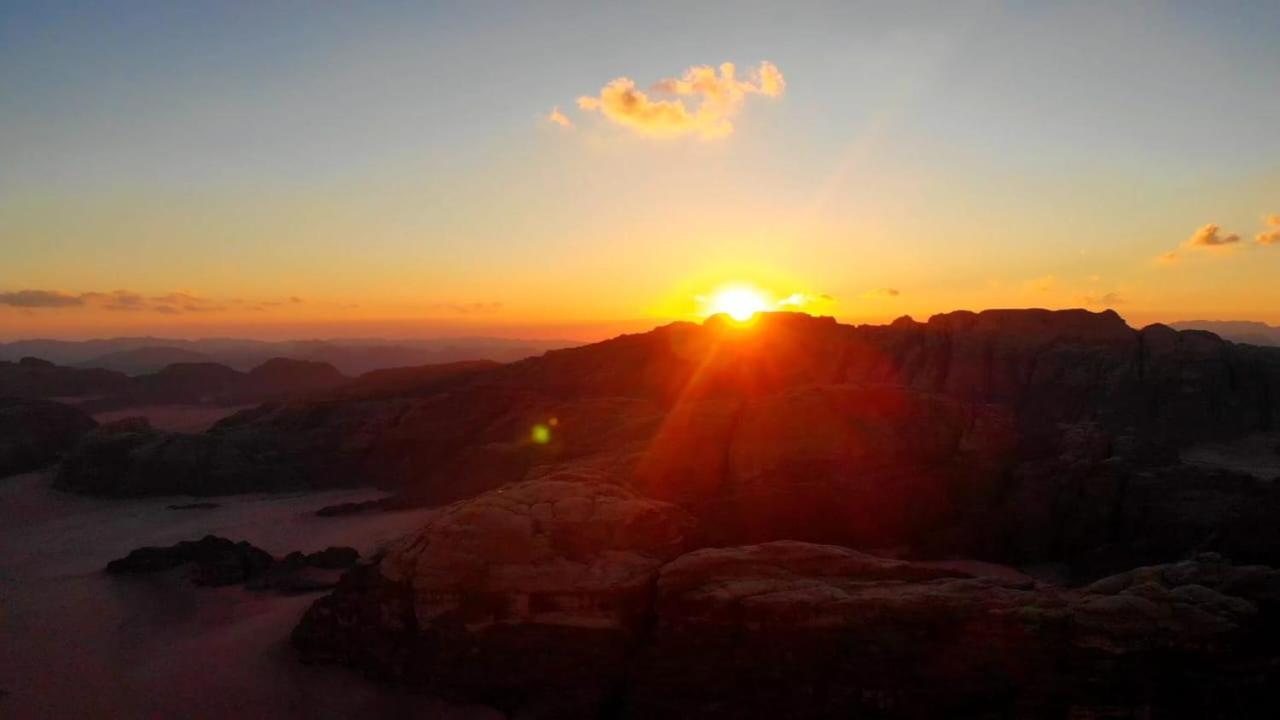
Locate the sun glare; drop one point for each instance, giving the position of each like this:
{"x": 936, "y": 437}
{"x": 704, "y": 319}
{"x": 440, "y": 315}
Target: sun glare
{"x": 739, "y": 303}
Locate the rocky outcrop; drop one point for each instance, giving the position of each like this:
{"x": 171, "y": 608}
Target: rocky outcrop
{"x": 795, "y": 630}
{"x": 208, "y": 383}
{"x": 268, "y": 448}
{"x": 32, "y": 377}
{"x": 790, "y": 629}
{"x": 530, "y": 596}
{"x": 35, "y": 433}
{"x": 214, "y": 560}
{"x": 218, "y": 561}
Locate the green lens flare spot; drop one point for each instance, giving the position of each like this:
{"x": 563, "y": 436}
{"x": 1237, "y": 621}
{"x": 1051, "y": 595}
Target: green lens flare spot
{"x": 541, "y": 434}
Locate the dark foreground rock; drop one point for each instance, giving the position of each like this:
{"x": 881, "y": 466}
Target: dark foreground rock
{"x": 796, "y": 630}
{"x": 531, "y": 597}
{"x": 35, "y": 433}
{"x": 215, "y": 560}
{"x": 486, "y": 605}
{"x": 218, "y": 561}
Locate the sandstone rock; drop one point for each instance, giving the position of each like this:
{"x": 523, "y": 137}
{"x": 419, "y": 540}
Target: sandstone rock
{"x": 796, "y": 630}
{"x": 35, "y": 433}
{"x": 216, "y": 560}
{"x": 527, "y": 597}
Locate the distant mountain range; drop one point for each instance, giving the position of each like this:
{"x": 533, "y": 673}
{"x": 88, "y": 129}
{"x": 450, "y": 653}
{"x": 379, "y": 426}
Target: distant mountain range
{"x": 143, "y": 355}
{"x": 1241, "y": 331}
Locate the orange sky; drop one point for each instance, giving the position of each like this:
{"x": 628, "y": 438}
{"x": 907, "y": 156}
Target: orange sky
{"x": 520, "y": 172}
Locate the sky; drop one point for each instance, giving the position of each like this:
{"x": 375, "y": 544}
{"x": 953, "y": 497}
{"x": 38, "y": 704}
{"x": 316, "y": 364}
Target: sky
{"x": 300, "y": 169}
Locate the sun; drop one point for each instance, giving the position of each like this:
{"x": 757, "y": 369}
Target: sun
{"x": 739, "y": 303}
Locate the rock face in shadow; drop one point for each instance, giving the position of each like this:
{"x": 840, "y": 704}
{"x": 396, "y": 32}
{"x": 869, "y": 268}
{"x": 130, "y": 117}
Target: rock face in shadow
{"x": 530, "y": 596}
{"x": 35, "y": 433}
{"x": 795, "y": 630}
{"x": 179, "y": 383}
{"x": 35, "y": 378}
{"x": 217, "y": 561}
{"x": 1005, "y": 434}
{"x": 790, "y": 629}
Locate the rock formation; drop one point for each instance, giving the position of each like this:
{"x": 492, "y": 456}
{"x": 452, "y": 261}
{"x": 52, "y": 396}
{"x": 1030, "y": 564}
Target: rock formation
{"x": 478, "y": 605}
{"x": 218, "y": 561}
{"x": 35, "y": 433}
{"x": 529, "y": 596}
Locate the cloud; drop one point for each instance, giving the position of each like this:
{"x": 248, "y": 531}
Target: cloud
{"x": 122, "y": 301}
{"x": 799, "y": 301}
{"x": 716, "y": 98}
{"x": 559, "y": 118}
{"x": 472, "y": 308}
{"x": 119, "y": 300}
{"x": 1168, "y": 258}
{"x": 186, "y": 302}
{"x": 40, "y": 299}
{"x": 881, "y": 293}
{"x": 1110, "y": 299}
{"x": 1208, "y": 236}
{"x": 1270, "y": 236}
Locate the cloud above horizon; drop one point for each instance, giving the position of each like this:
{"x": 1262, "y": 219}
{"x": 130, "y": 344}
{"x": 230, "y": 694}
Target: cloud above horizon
{"x": 881, "y": 293}
{"x": 1109, "y": 299}
{"x": 1270, "y": 235}
{"x": 716, "y": 96}
{"x": 558, "y": 118}
{"x": 31, "y": 299}
{"x": 1208, "y": 236}
{"x": 470, "y": 308}
{"x": 173, "y": 303}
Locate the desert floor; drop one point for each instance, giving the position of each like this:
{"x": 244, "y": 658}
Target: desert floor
{"x": 75, "y": 642}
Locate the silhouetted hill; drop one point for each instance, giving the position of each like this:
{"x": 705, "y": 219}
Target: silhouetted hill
{"x": 143, "y": 360}
{"x": 1253, "y": 333}
{"x": 36, "y": 378}
{"x": 202, "y": 383}
{"x": 352, "y": 357}
{"x": 796, "y": 427}
{"x": 410, "y": 381}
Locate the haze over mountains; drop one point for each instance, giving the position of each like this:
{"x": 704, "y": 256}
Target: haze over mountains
{"x": 1253, "y": 333}
{"x": 140, "y": 355}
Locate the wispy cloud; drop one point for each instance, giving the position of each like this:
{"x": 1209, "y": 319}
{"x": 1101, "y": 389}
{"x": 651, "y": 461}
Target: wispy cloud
{"x": 558, "y": 118}
{"x": 40, "y": 299}
{"x": 1110, "y": 299}
{"x": 881, "y": 293}
{"x": 119, "y": 300}
{"x": 1271, "y": 234}
{"x": 716, "y": 97}
{"x": 800, "y": 301}
{"x": 469, "y": 308}
{"x": 173, "y": 303}
{"x": 1211, "y": 236}
{"x": 186, "y": 302}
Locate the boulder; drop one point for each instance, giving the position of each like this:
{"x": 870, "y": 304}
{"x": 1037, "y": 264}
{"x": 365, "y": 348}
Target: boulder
{"x": 35, "y": 433}
{"x": 215, "y": 560}
{"x": 797, "y": 630}
{"x": 528, "y": 597}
